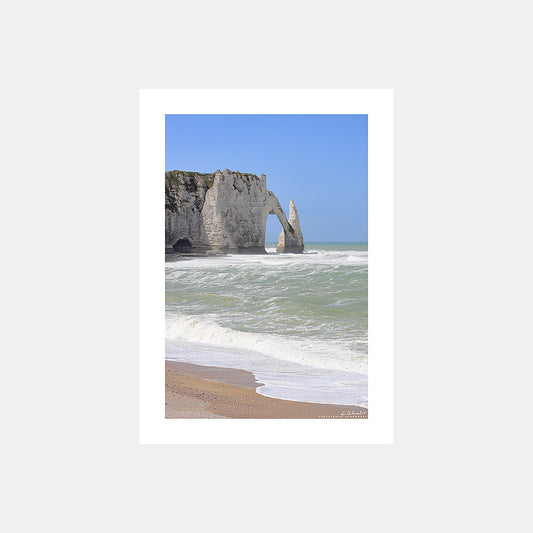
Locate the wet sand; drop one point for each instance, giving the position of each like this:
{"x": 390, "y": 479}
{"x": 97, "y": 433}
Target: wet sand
{"x": 194, "y": 391}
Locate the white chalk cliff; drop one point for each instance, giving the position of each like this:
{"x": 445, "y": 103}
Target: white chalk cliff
{"x": 224, "y": 212}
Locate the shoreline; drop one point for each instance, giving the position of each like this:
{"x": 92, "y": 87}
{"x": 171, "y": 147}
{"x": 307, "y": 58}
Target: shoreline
{"x": 196, "y": 391}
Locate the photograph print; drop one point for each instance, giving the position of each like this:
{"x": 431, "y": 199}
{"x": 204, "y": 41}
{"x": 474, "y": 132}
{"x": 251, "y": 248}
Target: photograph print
{"x": 266, "y": 266}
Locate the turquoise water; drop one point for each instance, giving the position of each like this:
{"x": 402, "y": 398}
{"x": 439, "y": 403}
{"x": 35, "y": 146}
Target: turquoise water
{"x": 298, "y": 321}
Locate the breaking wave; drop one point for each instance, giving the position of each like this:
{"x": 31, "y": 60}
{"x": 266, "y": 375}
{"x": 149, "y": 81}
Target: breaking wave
{"x": 309, "y": 352}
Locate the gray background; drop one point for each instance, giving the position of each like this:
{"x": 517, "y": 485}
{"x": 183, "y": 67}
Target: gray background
{"x": 69, "y": 217}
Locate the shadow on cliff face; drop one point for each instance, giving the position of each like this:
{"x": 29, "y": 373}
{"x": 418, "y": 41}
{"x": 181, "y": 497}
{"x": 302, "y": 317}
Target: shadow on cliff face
{"x": 183, "y": 246}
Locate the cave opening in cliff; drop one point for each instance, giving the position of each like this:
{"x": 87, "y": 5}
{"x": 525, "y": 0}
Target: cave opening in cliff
{"x": 183, "y": 246}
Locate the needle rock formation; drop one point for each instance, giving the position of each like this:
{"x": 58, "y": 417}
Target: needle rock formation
{"x": 224, "y": 212}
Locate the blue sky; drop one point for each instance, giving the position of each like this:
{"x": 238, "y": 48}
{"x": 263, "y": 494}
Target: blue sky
{"x": 321, "y": 161}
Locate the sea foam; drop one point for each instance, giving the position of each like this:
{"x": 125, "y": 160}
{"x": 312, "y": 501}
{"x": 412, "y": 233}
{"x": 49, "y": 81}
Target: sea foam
{"x": 309, "y": 352}
{"x": 299, "y": 322}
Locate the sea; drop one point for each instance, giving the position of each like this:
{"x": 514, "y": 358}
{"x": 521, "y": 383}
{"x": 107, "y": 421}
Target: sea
{"x": 299, "y": 322}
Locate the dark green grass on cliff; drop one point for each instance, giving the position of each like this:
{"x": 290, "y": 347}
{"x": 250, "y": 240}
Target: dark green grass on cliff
{"x": 175, "y": 177}
{"x": 172, "y": 177}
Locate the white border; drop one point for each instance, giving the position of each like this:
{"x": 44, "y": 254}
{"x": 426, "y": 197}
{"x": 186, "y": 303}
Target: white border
{"x": 378, "y": 105}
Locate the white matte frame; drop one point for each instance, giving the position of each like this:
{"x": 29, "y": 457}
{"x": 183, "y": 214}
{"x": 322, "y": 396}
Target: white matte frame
{"x": 378, "y": 105}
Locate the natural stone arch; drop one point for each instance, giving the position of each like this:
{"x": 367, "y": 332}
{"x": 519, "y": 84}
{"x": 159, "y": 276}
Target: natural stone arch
{"x": 224, "y": 211}
{"x": 291, "y": 238}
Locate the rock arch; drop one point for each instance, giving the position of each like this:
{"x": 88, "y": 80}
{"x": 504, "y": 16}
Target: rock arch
{"x": 225, "y": 211}
{"x": 291, "y": 238}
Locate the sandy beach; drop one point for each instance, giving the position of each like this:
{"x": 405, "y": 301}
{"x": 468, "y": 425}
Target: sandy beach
{"x": 194, "y": 391}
